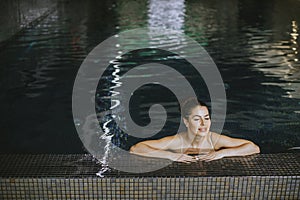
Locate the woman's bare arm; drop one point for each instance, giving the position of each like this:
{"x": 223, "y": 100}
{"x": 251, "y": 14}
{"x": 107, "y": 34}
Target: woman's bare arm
{"x": 161, "y": 149}
{"x": 230, "y": 147}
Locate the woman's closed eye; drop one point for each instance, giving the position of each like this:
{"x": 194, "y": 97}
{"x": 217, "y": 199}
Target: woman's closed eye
{"x": 197, "y": 119}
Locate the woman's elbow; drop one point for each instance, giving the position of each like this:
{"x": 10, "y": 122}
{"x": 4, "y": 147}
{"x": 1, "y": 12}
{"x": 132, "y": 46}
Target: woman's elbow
{"x": 132, "y": 149}
{"x": 136, "y": 148}
{"x": 255, "y": 148}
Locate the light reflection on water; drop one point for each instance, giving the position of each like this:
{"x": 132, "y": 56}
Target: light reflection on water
{"x": 166, "y": 14}
{"x": 278, "y": 59}
{"x": 255, "y": 45}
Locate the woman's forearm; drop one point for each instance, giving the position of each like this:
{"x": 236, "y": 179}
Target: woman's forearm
{"x": 145, "y": 150}
{"x": 243, "y": 150}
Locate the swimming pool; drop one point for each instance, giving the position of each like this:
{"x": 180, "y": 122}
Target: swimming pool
{"x": 254, "y": 44}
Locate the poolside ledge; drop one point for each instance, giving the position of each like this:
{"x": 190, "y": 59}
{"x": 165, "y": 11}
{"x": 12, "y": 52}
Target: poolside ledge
{"x": 264, "y": 176}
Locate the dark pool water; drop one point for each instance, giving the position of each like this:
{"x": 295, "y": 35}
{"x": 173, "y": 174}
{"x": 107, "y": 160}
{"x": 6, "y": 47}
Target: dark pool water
{"x": 254, "y": 44}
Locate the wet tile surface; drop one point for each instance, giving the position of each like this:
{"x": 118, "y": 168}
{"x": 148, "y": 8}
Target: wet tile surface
{"x": 83, "y": 165}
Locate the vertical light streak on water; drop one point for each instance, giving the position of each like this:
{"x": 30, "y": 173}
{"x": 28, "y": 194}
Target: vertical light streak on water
{"x": 116, "y": 79}
{"x": 294, "y": 59}
{"x": 107, "y": 136}
{"x": 166, "y": 15}
{"x": 294, "y": 39}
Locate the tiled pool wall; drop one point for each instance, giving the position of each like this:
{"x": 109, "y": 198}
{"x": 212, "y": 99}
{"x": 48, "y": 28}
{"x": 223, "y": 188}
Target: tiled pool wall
{"x": 269, "y": 176}
{"x": 256, "y": 187}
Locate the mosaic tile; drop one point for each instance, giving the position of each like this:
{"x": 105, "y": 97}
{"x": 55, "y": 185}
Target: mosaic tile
{"x": 173, "y": 182}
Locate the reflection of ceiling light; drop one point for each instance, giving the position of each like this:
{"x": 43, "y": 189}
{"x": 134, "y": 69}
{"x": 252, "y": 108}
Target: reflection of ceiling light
{"x": 166, "y": 14}
{"x": 294, "y": 34}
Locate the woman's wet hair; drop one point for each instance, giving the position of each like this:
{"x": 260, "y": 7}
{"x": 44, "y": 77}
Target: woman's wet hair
{"x": 189, "y": 104}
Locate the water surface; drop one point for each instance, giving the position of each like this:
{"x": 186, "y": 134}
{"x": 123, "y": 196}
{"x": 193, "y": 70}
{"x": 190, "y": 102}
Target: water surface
{"x": 255, "y": 45}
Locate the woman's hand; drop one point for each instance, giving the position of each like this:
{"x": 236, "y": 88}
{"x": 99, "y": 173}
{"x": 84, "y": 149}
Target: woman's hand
{"x": 182, "y": 158}
{"x": 214, "y": 155}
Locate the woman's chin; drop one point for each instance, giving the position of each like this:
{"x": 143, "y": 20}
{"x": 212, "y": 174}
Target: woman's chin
{"x": 202, "y": 134}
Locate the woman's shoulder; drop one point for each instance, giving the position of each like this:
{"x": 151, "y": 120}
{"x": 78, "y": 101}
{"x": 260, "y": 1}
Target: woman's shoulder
{"x": 214, "y": 136}
{"x": 170, "y": 139}
{"x": 170, "y": 142}
{"x": 176, "y": 137}
{"x": 218, "y": 137}
{"x": 220, "y": 141}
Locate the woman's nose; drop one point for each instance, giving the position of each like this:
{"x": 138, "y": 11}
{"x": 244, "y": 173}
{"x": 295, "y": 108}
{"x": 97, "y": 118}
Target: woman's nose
{"x": 201, "y": 122}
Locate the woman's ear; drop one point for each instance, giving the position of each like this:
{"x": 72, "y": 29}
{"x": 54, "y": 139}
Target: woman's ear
{"x": 186, "y": 122}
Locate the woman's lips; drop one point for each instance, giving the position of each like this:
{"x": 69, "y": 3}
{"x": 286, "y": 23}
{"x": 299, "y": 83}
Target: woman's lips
{"x": 202, "y": 129}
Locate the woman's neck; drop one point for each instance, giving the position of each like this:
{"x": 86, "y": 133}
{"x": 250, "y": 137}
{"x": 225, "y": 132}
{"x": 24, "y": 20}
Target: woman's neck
{"x": 196, "y": 141}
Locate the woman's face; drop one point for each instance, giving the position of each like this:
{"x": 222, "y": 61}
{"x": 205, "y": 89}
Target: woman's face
{"x": 198, "y": 122}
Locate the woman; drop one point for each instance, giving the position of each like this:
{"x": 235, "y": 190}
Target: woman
{"x": 196, "y": 140}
